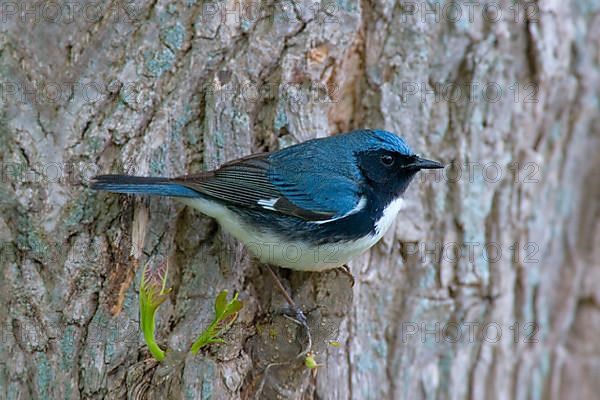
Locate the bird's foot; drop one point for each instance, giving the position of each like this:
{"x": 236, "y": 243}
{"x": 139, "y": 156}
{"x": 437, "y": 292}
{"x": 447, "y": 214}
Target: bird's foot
{"x": 294, "y": 313}
{"x": 346, "y": 271}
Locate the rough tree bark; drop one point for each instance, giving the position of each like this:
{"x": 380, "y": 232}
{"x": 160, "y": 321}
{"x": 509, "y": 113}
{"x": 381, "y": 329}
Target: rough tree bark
{"x": 506, "y": 92}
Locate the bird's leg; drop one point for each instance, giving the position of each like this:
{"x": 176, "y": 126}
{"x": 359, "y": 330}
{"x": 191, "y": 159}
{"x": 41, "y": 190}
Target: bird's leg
{"x": 294, "y": 313}
{"x": 346, "y": 271}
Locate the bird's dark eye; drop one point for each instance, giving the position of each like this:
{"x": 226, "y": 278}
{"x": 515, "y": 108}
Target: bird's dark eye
{"x": 387, "y": 160}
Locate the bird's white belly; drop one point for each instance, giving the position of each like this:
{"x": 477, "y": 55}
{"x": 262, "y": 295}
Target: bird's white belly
{"x": 299, "y": 255}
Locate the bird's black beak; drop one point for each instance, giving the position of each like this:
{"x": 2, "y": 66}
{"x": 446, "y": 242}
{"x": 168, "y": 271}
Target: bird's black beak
{"x": 421, "y": 163}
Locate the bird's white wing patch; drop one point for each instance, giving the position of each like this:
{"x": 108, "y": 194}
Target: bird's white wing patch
{"x": 268, "y": 204}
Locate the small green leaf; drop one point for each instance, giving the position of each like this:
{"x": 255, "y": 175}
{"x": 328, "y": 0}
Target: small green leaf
{"x": 225, "y": 315}
{"x": 232, "y": 308}
{"x": 310, "y": 362}
{"x": 221, "y": 303}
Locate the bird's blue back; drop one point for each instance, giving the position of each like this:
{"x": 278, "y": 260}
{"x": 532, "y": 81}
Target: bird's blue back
{"x": 334, "y": 184}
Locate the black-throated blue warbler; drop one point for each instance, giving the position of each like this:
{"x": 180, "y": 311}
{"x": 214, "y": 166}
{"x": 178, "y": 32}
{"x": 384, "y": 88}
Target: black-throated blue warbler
{"x": 310, "y": 207}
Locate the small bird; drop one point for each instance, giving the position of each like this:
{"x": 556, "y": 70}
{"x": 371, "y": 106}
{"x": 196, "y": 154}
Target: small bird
{"x": 310, "y": 207}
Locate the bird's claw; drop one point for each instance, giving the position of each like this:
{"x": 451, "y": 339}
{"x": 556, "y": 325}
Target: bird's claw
{"x": 346, "y": 271}
{"x": 296, "y": 315}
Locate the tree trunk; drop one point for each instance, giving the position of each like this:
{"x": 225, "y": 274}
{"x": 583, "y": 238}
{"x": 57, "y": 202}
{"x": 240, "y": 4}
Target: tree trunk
{"x": 486, "y": 287}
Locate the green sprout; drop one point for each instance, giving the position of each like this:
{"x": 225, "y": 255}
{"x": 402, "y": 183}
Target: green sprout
{"x": 152, "y": 294}
{"x": 310, "y": 361}
{"x": 225, "y": 314}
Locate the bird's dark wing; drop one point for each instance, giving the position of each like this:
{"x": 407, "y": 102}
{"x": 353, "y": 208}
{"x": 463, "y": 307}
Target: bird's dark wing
{"x": 250, "y": 182}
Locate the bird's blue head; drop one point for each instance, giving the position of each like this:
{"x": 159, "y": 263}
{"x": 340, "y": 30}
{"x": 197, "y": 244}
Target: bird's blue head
{"x": 386, "y": 162}
{"x": 383, "y": 140}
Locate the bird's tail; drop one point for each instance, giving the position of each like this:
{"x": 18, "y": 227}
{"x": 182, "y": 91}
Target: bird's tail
{"x": 141, "y": 185}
